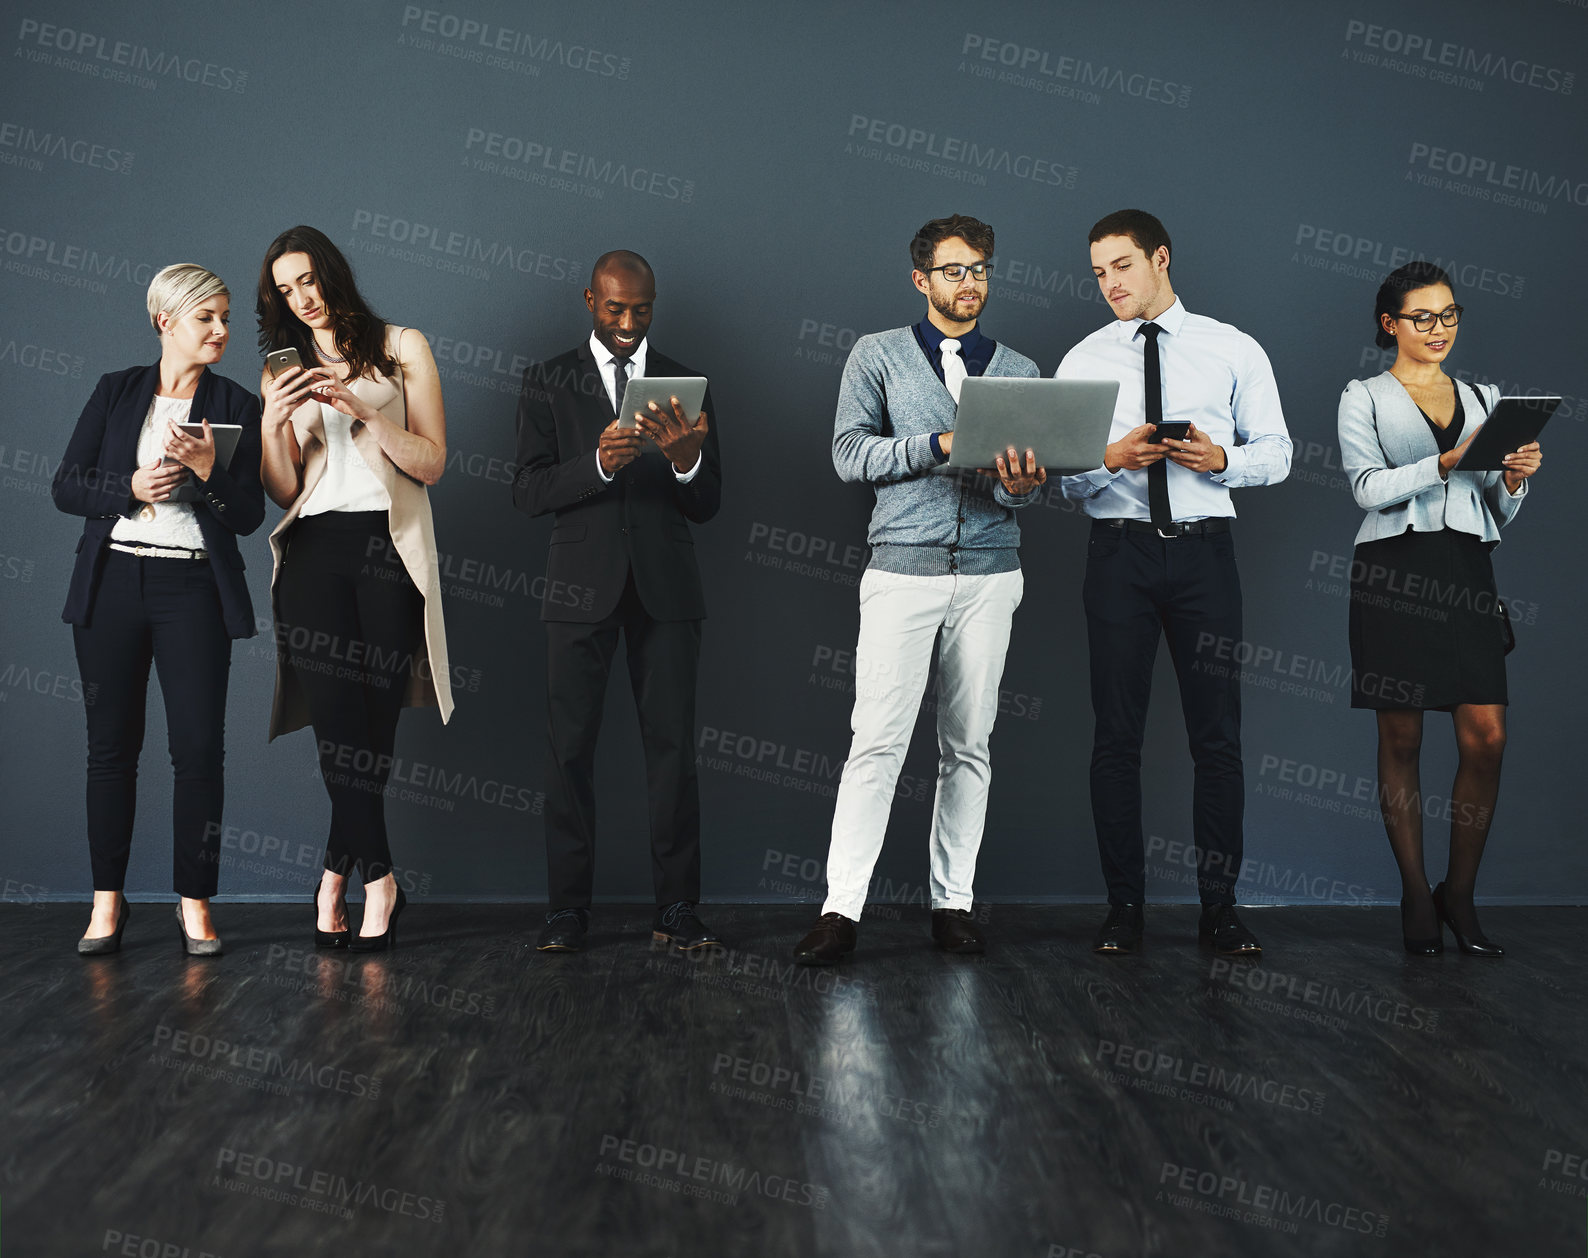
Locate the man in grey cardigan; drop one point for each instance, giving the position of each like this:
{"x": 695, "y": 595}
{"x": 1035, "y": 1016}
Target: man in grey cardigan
{"x": 944, "y": 572}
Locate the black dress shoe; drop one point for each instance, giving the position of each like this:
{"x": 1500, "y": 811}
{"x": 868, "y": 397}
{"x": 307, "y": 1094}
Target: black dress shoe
{"x": 329, "y": 938}
{"x": 1121, "y": 929}
{"x": 196, "y": 947}
{"x": 387, "y": 939}
{"x": 1430, "y": 947}
{"x": 953, "y": 931}
{"x": 1476, "y": 944}
{"x": 104, "y": 945}
{"x": 830, "y": 940}
{"x": 680, "y": 924}
{"x": 564, "y": 931}
{"x": 1220, "y": 927}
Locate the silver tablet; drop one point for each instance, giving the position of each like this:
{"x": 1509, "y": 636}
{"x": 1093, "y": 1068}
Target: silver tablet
{"x": 1065, "y": 422}
{"x": 641, "y": 391}
{"x": 226, "y": 436}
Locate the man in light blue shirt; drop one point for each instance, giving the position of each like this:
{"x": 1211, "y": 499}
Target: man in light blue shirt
{"x": 1198, "y": 415}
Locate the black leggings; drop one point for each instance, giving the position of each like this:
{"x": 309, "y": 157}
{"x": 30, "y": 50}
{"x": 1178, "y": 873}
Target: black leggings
{"x": 350, "y": 619}
{"x": 164, "y": 611}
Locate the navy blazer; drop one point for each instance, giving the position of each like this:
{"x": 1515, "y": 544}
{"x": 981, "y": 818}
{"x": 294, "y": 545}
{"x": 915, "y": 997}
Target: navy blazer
{"x": 95, "y": 480}
{"x": 640, "y": 521}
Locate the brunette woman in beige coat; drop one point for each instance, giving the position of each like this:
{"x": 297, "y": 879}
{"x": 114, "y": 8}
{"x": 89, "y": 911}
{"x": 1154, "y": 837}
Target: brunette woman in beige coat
{"x": 351, "y": 437}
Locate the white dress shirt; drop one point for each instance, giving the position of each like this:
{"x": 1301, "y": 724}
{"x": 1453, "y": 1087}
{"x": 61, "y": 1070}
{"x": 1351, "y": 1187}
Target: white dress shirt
{"x": 604, "y": 359}
{"x": 1214, "y": 375}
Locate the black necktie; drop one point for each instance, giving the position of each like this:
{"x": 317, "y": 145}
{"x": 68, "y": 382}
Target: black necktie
{"x": 1157, "y": 473}
{"x": 620, "y": 377}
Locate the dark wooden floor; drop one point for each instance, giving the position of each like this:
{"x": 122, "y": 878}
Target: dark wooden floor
{"x": 468, "y": 1096}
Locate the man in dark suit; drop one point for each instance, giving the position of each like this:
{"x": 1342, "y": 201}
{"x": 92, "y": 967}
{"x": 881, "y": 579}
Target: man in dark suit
{"x": 621, "y": 559}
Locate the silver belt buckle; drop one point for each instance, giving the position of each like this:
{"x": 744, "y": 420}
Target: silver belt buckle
{"x": 1169, "y": 536}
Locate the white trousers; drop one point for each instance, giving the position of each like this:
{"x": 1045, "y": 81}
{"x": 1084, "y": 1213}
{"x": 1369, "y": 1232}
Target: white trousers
{"x": 901, "y": 619}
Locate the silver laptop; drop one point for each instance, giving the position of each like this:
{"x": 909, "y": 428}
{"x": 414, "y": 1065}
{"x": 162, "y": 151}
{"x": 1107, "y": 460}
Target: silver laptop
{"x": 1064, "y": 422}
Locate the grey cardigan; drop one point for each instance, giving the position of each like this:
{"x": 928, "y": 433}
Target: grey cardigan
{"x": 1393, "y": 464}
{"x": 927, "y": 521}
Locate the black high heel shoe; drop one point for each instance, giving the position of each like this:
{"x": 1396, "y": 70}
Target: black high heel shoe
{"x": 1475, "y": 944}
{"x": 387, "y": 939}
{"x": 1431, "y": 947}
{"x": 329, "y": 938}
{"x": 104, "y": 945}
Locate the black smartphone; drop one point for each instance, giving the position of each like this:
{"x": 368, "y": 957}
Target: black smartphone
{"x": 279, "y": 360}
{"x": 1174, "y": 429}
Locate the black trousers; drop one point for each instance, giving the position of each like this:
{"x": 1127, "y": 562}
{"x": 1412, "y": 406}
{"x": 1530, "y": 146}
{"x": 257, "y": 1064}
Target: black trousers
{"x": 663, "y": 658}
{"x": 351, "y": 618}
{"x": 164, "y": 611}
{"x": 1138, "y": 586}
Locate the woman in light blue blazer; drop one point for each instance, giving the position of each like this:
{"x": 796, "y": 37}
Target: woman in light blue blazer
{"x": 1428, "y": 631}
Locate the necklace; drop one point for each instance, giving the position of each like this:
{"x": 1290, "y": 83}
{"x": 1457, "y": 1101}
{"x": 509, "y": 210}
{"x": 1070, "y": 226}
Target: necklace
{"x": 330, "y": 358}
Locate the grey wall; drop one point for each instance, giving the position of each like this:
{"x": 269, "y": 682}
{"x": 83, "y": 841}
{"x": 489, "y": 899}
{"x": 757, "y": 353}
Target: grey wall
{"x": 773, "y": 162}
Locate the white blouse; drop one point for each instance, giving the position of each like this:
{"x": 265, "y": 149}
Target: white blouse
{"x": 347, "y": 484}
{"x": 160, "y": 523}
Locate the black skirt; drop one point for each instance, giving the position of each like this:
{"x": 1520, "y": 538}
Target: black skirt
{"x": 1427, "y": 629}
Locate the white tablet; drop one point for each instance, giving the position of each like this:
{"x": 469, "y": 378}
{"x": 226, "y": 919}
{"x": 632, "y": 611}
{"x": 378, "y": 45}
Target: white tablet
{"x": 226, "y": 436}
{"x": 641, "y": 391}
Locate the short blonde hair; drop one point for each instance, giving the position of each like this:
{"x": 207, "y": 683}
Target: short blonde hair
{"x": 180, "y": 287}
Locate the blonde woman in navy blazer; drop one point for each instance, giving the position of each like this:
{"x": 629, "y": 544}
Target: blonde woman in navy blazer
{"x": 1428, "y": 631}
{"x": 161, "y": 581}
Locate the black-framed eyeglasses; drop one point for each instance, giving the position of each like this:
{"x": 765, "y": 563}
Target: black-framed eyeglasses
{"x": 954, "y": 272}
{"x": 1424, "y": 322}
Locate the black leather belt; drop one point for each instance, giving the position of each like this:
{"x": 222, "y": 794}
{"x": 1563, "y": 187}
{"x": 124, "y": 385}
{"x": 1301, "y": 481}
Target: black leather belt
{"x": 1191, "y": 528}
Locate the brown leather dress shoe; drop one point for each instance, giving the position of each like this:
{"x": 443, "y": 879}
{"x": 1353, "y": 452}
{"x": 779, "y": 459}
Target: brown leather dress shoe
{"x": 954, "y": 931}
{"x": 829, "y": 941}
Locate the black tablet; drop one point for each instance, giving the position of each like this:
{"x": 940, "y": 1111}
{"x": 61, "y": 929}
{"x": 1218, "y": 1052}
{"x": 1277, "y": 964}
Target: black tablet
{"x": 1512, "y": 423}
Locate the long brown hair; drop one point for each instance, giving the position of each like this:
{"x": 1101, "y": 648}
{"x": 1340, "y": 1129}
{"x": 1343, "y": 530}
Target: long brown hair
{"x": 360, "y": 333}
